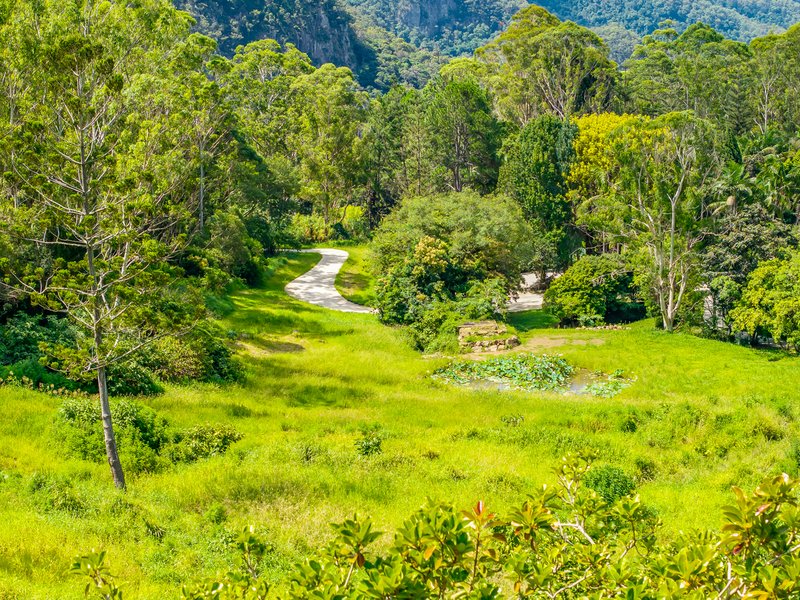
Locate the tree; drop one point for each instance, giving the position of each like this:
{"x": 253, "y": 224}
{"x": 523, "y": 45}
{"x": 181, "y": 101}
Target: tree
{"x": 463, "y": 133}
{"x": 770, "y": 304}
{"x": 535, "y": 175}
{"x": 775, "y": 67}
{"x": 437, "y": 247}
{"x": 591, "y": 175}
{"x": 330, "y": 112}
{"x": 593, "y": 291}
{"x": 698, "y": 70}
{"x": 750, "y": 236}
{"x": 100, "y": 159}
{"x": 654, "y": 200}
{"x": 542, "y": 66}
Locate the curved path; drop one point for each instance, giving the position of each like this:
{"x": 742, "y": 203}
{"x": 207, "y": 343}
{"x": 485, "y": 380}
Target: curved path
{"x": 318, "y": 286}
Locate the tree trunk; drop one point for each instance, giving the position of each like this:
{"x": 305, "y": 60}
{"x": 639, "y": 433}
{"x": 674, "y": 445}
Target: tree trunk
{"x": 108, "y": 431}
{"x": 202, "y": 207}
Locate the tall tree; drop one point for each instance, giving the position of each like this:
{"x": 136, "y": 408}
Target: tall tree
{"x": 655, "y": 198}
{"x": 697, "y": 70}
{"x": 101, "y": 159}
{"x": 535, "y": 175}
{"x": 542, "y": 66}
{"x": 330, "y": 113}
{"x": 463, "y": 133}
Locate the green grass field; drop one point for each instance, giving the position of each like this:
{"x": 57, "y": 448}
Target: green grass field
{"x": 701, "y": 416}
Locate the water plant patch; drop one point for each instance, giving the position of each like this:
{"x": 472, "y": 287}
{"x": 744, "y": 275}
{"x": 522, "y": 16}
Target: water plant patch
{"x": 520, "y": 371}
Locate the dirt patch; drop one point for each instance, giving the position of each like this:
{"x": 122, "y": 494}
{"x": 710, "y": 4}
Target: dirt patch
{"x": 544, "y": 343}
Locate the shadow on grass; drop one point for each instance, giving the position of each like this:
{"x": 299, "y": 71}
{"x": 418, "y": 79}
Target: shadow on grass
{"x": 532, "y": 319}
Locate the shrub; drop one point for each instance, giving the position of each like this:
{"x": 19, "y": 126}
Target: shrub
{"x": 559, "y": 542}
{"x": 202, "y": 355}
{"x": 37, "y": 375}
{"x": 22, "y": 336}
{"x": 440, "y": 249}
{"x": 434, "y": 327}
{"x": 141, "y": 434}
{"x": 231, "y": 248}
{"x": 202, "y": 441}
{"x": 369, "y": 444}
{"x": 612, "y": 483}
{"x": 131, "y": 379}
{"x": 595, "y": 290}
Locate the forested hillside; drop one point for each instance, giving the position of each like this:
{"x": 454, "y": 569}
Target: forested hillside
{"x": 738, "y": 19}
{"x": 386, "y": 41}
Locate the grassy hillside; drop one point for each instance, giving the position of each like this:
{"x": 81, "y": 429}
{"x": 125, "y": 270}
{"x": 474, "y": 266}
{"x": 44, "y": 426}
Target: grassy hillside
{"x": 701, "y": 416}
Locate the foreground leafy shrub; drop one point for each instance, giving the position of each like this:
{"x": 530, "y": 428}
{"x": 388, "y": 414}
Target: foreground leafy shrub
{"x": 202, "y": 441}
{"x": 593, "y": 291}
{"x": 519, "y": 371}
{"x": 563, "y": 541}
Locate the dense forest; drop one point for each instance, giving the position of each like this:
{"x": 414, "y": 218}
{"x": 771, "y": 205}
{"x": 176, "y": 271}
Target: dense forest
{"x": 148, "y": 174}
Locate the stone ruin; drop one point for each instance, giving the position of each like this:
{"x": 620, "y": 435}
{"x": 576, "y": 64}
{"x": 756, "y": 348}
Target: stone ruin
{"x": 485, "y": 336}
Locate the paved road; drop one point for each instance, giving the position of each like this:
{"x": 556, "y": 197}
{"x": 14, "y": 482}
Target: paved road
{"x": 318, "y": 286}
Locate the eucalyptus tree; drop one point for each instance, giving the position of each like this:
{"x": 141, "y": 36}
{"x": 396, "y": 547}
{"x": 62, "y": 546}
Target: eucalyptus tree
{"x": 775, "y": 68}
{"x": 540, "y": 65}
{"x": 101, "y": 156}
{"x": 329, "y": 113}
{"x": 696, "y": 70}
{"x": 654, "y": 202}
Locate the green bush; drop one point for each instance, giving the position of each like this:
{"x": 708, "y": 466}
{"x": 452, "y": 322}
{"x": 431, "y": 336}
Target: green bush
{"x": 131, "y": 379}
{"x": 593, "y": 291}
{"x": 22, "y": 335}
{"x": 231, "y": 249}
{"x": 141, "y": 434}
{"x": 38, "y": 375}
{"x": 202, "y": 441}
{"x": 369, "y": 444}
{"x": 612, "y": 483}
{"x": 434, "y": 327}
{"x": 439, "y": 248}
{"x": 202, "y": 355}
